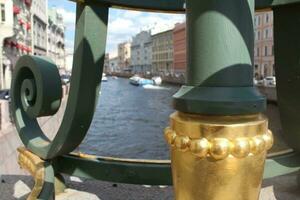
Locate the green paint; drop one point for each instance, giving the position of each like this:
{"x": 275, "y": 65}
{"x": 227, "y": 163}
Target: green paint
{"x": 47, "y": 192}
{"x": 219, "y": 100}
{"x": 287, "y": 66}
{"x": 219, "y": 63}
{"x": 138, "y": 172}
{"x": 90, "y": 42}
{"x": 152, "y": 173}
{"x": 262, "y": 4}
{"x": 281, "y": 165}
{"x": 176, "y": 5}
{"x": 150, "y": 5}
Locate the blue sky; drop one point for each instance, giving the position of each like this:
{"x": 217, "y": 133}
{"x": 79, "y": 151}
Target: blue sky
{"x": 122, "y": 24}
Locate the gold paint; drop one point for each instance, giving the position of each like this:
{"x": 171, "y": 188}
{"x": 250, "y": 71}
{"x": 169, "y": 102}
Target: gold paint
{"x": 170, "y": 136}
{"x": 257, "y": 145}
{"x": 218, "y": 157}
{"x": 182, "y": 142}
{"x": 241, "y": 148}
{"x": 268, "y": 138}
{"x": 220, "y": 148}
{"x": 35, "y": 166}
{"x": 200, "y": 147}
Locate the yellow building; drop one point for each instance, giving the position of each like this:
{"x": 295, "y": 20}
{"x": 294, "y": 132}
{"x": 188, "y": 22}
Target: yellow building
{"x": 162, "y": 53}
{"x": 124, "y": 54}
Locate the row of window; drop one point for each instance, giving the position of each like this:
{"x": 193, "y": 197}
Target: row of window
{"x": 264, "y": 70}
{"x": 163, "y": 56}
{"x": 267, "y": 33}
{"x": 39, "y": 6}
{"x": 265, "y": 18}
{"x": 162, "y": 47}
{"x": 145, "y": 52}
{"x": 268, "y": 51}
{"x": 145, "y": 58}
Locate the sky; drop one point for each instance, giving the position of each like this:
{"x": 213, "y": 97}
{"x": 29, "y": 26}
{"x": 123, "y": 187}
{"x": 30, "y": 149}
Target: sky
{"x": 122, "y": 25}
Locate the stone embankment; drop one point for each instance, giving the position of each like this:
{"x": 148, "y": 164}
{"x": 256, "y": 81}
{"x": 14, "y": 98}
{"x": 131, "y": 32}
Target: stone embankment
{"x": 269, "y": 92}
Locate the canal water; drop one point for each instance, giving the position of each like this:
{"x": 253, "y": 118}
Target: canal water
{"x": 129, "y": 121}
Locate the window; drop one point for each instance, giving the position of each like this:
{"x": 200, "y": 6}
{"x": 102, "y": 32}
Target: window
{"x": 267, "y": 18}
{"x": 2, "y": 12}
{"x": 266, "y": 33}
{"x": 258, "y": 35}
{"x": 266, "y": 50}
{"x": 265, "y": 70}
{"x": 257, "y": 52}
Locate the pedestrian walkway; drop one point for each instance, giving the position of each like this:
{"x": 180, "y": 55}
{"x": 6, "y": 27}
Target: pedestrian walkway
{"x": 18, "y": 187}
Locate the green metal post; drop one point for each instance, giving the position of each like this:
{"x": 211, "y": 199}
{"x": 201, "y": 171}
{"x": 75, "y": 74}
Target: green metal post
{"x": 220, "y": 57}
{"x": 287, "y": 56}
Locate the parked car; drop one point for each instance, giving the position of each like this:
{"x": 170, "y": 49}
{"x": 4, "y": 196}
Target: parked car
{"x": 65, "y": 79}
{"x": 5, "y": 94}
{"x": 270, "y": 81}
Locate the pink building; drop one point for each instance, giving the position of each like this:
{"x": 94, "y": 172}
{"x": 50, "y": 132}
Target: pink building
{"x": 264, "y": 45}
{"x": 179, "y": 43}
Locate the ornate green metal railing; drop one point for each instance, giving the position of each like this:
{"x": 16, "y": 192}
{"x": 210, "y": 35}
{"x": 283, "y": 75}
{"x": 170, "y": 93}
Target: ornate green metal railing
{"x": 220, "y": 47}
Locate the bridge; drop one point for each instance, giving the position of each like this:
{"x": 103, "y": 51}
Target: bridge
{"x": 218, "y": 137}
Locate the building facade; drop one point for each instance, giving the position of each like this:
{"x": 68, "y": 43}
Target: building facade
{"x": 20, "y": 42}
{"x": 113, "y": 64}
{"x": 162, "y": 53}
{"x": 6, "y": 30}
{"x": 179, "y": 55}
{"x": 106, "y": 63}
{"x": 141, "y": 53}
{"x": 56, "y": 38}
{"x": 39, "y": 10}
{"x": 264, "y": 45}
{"x": 124, "y": 54}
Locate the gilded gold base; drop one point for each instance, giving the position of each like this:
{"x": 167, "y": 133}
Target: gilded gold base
{"x": 35, "y": 166}
{"x": 218, "y": 158}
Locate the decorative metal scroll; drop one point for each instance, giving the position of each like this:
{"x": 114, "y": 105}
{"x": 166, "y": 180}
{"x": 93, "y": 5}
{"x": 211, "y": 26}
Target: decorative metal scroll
{"x": 36, "y": 88}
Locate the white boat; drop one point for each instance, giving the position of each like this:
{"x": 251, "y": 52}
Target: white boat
{"x": 136, "y": 80}
{"x": 104, "y": 78}
{"x": 157, "y": 80}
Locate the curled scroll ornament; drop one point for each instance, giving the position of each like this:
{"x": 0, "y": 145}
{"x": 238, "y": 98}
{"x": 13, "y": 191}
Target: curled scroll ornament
{"x": 36, "y": 88}
{"x": 36, "y": 92}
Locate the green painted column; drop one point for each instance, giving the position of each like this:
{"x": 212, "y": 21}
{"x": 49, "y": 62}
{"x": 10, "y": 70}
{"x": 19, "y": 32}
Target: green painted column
{"x": 287, "y": 66}
{"x": 220, "y": 41}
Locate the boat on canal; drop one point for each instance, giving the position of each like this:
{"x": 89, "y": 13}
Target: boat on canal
{"x": 104, "y": 78}
{"x": 138, "y": 81}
